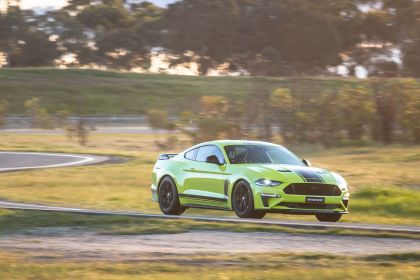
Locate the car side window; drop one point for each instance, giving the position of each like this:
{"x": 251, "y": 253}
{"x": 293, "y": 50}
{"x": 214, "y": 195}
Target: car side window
{"x": 206, "y": 151}
{"x": 191, "y": 154}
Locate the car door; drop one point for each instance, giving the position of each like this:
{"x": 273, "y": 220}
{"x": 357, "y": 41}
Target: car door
{"x": 205, "y": 182}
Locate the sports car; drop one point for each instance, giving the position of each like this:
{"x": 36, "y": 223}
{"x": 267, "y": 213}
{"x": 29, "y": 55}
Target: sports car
{"x": 251, "y": 178}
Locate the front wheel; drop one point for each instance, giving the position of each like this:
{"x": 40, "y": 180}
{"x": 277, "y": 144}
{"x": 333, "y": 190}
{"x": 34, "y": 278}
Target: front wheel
{"x": 328, "y": 217}
{"x": 168, "y": 198}
{"x": 243, "y": 202}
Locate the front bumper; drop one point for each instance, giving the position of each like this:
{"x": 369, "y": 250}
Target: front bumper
{"x": 305, "y": 211}
{"x": 275, "y": 200}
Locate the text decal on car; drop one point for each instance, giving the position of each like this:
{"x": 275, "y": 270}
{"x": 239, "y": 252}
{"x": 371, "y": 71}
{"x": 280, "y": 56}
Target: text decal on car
{"x": 313, "y": 199}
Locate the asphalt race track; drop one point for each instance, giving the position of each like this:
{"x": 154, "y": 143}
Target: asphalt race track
{"x": 16, "y": 161}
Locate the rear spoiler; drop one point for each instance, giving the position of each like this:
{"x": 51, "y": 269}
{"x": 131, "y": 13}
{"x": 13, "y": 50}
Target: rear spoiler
{"x": 166, "y": 156}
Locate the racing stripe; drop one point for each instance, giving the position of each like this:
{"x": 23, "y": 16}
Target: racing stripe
{"x": 308, "y": 175}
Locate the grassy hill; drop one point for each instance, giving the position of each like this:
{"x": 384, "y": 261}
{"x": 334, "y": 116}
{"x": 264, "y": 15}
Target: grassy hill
{"x": 114, "y": 93}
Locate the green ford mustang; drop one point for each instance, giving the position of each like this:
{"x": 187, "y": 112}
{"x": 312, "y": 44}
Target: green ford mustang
{"x": 251, "y": 178}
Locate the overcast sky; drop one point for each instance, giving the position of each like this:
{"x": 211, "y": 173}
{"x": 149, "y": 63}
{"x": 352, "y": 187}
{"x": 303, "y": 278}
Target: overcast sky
{"x": 55, "y": 4}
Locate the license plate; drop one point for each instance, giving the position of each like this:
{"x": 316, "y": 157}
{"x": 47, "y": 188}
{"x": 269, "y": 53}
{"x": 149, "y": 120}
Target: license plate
{"x": 314, "y": 199}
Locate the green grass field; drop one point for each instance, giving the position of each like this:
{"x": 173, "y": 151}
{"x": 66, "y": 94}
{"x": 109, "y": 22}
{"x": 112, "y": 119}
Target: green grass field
{"x": 115, "y": 93}
{"x": 384, "y": 181}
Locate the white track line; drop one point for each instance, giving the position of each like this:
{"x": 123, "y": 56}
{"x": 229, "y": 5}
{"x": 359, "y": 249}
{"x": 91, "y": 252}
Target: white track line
{"x": 83, "y": 160}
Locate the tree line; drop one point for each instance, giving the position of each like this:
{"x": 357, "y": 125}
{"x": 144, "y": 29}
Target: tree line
{"x": 304, "y": 110}
{"x": 379, "y": 111}
{"x": 261, "y": 37}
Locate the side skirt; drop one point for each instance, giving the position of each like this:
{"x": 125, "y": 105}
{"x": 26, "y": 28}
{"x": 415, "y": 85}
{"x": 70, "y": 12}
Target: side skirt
{"x": 206, "y": 207}
{"x": 203, "y": 197}
{"x": 204, "y": 202}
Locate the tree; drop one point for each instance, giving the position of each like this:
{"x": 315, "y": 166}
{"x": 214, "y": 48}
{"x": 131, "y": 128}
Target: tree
{"x": 211, "y": 119}
{"x": 287, "y": 36}
{"x": 39, "y": 115}
{"x": 204, "y": 27}
{"x": 357, "y": 109}
{"x": 308, "y": 39}
{"x": 269, "y": 63}
{"x": 158, "y": 120}
{"x": 71, "y": 36}
{"x": 388, "y": 102}
{"x": 80, "y": 130}
{"x": 411, "y": 60}
{"x": 329, "y": 117}
{"x": 123, "y": 36}
{"x": 282, "y": 103}
{"x": 409, "y": 111}
{"x": 396, "y": 26}
{"x": 105, "y": 17}
{"x": 34, "y": 49}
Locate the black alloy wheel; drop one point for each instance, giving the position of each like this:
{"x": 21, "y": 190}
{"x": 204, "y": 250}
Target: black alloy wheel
{"x": 168, "y": 197}
{"x": 243, "y": 202}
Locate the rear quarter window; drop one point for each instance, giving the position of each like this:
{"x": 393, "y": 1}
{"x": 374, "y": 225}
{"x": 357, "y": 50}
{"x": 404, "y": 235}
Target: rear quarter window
{"x": 191, "y": 154}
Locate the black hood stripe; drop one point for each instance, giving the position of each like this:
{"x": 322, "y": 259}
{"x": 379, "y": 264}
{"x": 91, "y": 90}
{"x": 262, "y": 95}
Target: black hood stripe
{"x": 308, "y": 175}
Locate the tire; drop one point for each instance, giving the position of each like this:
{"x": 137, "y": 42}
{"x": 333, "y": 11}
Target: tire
{"x": 168, "y": 197}
{"x": 243, "y": 202}
{"x": 258, "y": 215}
{"x": 328, "y": 217}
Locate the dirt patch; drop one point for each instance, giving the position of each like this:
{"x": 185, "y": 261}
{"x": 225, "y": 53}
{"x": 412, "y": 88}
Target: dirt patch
{"x": 81, "y": 245}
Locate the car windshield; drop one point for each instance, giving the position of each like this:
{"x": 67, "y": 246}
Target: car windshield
{"x": 241, "y": 154}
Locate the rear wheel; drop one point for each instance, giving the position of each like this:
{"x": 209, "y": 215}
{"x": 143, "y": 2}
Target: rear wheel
{"x": 243, "y": 202}
{"x": 168, "y": 198}
{"x": 328, "y": 217}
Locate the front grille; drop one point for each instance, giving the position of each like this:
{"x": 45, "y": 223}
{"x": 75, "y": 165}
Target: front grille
{"x": 313, "y": 189}
{"x": 308, "y": 205}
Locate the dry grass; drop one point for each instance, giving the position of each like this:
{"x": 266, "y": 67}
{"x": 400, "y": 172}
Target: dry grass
{"x": 256, "y": 266}
{"x": 384, "y": 180}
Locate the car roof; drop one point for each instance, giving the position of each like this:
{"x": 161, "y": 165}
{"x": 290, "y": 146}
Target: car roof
{"x": 236, "y": 142}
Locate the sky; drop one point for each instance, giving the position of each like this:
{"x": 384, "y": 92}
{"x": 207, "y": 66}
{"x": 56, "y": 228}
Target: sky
{"x": 56, "y": 4}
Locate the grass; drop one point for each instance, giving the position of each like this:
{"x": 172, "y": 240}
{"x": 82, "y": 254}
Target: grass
{"x": 256, "y": 266}
{"x": 384, "y": 181}
{"x": 80, "y": 91}
{"x": 12, "y": 222}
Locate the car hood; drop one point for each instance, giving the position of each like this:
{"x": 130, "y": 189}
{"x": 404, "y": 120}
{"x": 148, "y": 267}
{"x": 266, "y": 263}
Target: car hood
{"x": 293, "y": 172}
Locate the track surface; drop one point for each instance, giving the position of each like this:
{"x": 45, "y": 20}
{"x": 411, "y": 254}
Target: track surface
{"x": 14, "y": 161}
{"x": 65, "y": 243}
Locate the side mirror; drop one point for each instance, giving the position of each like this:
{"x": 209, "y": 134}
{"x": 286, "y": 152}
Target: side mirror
{"x": 213, "y": 159}
{"x": 306, "y": 162}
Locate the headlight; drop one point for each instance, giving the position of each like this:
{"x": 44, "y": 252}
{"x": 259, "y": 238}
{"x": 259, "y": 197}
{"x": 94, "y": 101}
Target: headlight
{"x": 267, "y": 183}
{"x": 340, "y": 181}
